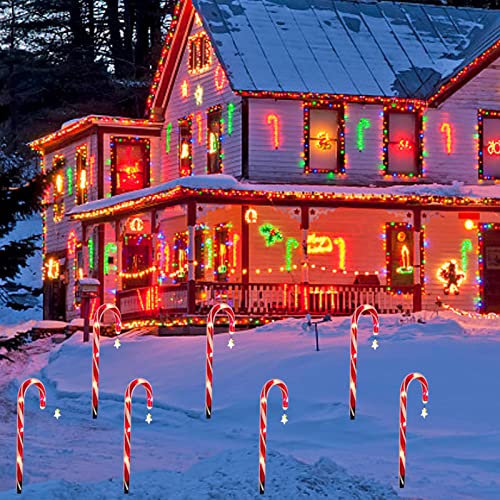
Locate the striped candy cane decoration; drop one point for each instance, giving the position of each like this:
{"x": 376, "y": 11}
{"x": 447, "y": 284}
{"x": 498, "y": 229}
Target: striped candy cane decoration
{"x": 263, "y": 425}
{"x": 96, "y": 349}
{"x": 210, "y": 349}
{"x": 354, "y": 351}
{"x": 402, "y": 418}
{"x": 20, "y": 424}
{"x": 127, "y": 425}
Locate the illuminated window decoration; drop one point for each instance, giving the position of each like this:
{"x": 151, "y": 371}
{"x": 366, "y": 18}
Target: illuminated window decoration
{"x": 271, "y": 234}
{"x": 137, "y": 256}
{"x": 130, "y": 164}
{"x": 82, "y": 181}
{"x": 230, "y": 118}
{"x": 69, "y": 177}
{"x": 446, "y": 131}
{"x": 198, "y": 95}
{"x": 52, "y": 268}
{"x": 363, "y": 124}
{"x": 291, "y": 245}
{"x": 465, "y": 249}
{"x": 59, "y": 185}
{"x": 135, "y": 225}
{"x": 214, "y": 140}
{"x": 185, "y": 146}
{"x": 168, "y": 137}
{"x": 110, "y": 248}
{"x": 251, "y": 216}
{"x": 180, "y": 258}
{"x": 489, "y": 144}
{"x": 451, "y": 276}
{"x": 220, "y": 78}
{"x": 200, "y": 53}
{"x": 58, "y": 207}
{"x": 91, "y": 250}
{"x": 222, "y": 242}
{"x": 403, "y": 152}
{"x": 184, "y": 89}
{"x": 274, "y": 122}
{"x": 324, "y": 137}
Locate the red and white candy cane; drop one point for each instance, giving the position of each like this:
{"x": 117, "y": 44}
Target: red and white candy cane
{"x": 96, "y": 349}
{"x": 263, "y": 424}
{"x": 20, "y": 424}
{"x": 210, "y": 349}
{"x": 127, "y": 425}
{"x": 403, "y": 398}
{"x": 354, "y": 351}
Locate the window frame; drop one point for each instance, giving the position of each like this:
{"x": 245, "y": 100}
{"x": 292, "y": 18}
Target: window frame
{"x": 188, "y": 122}
{"x": 220, "y": 153}
{"x": 341, "y": 163}
{"x": 482, "y": 114}
{"x": 419, "y": 141}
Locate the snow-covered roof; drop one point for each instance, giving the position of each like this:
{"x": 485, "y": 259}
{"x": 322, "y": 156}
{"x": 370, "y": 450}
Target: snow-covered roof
{"x": 219, "y": 184}
{"x": 365, "y": 48}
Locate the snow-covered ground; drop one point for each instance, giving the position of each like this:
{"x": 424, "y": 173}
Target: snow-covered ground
{"x": 453, "y": 453}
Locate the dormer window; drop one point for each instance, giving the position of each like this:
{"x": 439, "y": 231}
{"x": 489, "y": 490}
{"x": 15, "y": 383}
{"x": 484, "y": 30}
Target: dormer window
{"x": 185, "y": 146}
{"x": 324, "y": 138}
{"x": 489, "y": 144}
{"x": 130, "y": 164}
{"x": 200, "y": 55}
{"x": 402, "y": 143}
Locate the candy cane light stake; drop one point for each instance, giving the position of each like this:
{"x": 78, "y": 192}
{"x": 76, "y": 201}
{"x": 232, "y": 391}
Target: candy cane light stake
{"x": 96, "y": 349}
{"x": 263, "y": 425}
{"x": 403, "y": 398}
{"x": 354, "y": 351}
{"x": 127, "y": 425}
{"x": 210, "y": 349}
{"x": 20, "y": 424}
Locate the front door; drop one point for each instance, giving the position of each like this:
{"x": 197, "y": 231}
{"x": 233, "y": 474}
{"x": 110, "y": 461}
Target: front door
{"x": 490, "y": 275}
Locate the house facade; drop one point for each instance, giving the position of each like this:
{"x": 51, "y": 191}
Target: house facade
{"x": 294, "y": 158}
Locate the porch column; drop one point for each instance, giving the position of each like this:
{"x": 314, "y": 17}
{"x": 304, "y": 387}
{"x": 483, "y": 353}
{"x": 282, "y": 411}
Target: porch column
{"x": 245, "y": 257}
{"x": 417, "y": 286}
{"x": 304, "y": 227}
{"x": 191, "y": 284}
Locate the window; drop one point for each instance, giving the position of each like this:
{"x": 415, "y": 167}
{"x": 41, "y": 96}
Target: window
{"x": 402, "y": 143}
{"x": 130, "y": 163}
{"x": 324, "y": 138}
{"x": 214, "y": 136}
{"x": 180, "y": 261}
{"x": 222, "y": 246}
{"x": 81, "y": 175}
{"x": 200, "y": 247}
{"x": 137, "y": 257}
{"x": 400, "y": 256}
{"x": 200, "y": 54}
{"x": 489, "y": 144}
{"x": 185, "y": 146}
{"x": 58, "y": 165}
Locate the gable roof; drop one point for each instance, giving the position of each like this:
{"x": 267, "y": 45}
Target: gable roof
{"x": 339, "y": 47}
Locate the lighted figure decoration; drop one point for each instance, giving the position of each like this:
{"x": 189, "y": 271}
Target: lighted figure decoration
{"x": 271, "y": 234}
{"x": 168, "y": 137}
{"x": 210, "y": 349}
{"x": 198, "y": 95}
{"x": 20, "y": 424}
{"x": 364, "y": 309}
{"x": 219, "y": 78}
{"x": 230, "y": 118}
{"x": 446, "y": 131}
{"x": 493, "y": 147}
{"x": 99, "y": 314}
{"x": 363, "y": 124}
{"x": 274, "y": 122}
{"x": 127, "y": 424}
{"x": 465, "y": 249}
{"x": 251, "y": 216}
{"x": 403, "y": 399}
{"x": 53, "y": 269}
{"x": 291, "y": 245}
{"x": 405, "y": 267}
{"x": 451, "y": 276}
{"x": 263, "y": 425}
{"x": 184, "y": 89}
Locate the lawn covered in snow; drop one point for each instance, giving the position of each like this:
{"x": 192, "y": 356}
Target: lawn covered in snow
{"x": 453, "y": 453}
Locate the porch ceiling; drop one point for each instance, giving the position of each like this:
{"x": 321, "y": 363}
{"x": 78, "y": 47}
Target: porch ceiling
{"x": 221, "y": 188}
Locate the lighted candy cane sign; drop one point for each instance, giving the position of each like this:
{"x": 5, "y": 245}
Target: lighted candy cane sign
{"x": 354, "y": 351}
{"x": 263, "y": 424}
{"x": 274, "y": 121}
{"x": 403, "y": 399}
{"x": 363, "y": 124}
{"x": 210, "y": 349}
{"x": 446, "y": 131}
{"x": 20, "y": 424}
{"x": 291, "y": 245}
{"x": 127, "y": 425}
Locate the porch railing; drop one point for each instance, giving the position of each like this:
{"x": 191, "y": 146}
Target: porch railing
{"x": 161, "y": 302}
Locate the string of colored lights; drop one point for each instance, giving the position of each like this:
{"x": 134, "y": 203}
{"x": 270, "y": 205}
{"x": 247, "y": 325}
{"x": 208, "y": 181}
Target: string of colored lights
{"x": 468, "y": 314}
